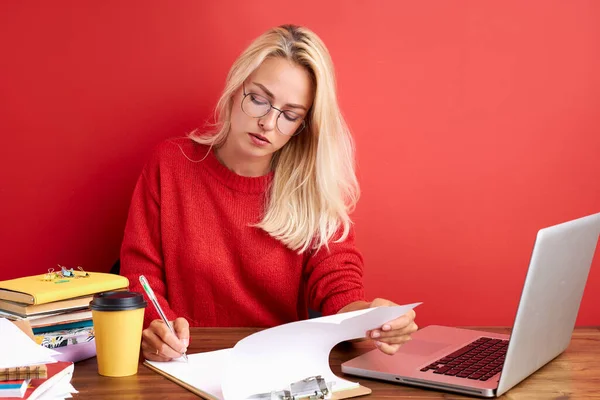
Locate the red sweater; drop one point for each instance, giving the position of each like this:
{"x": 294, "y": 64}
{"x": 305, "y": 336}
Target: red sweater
{"x": 188, "y": 232}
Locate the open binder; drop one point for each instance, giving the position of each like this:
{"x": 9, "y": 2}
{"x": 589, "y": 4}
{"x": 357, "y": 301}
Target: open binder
{"x": 265, "y": 366}
{"x": 313, "y": 390}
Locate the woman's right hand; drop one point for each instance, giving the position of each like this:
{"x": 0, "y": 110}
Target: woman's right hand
{"x": 159, "y": 344}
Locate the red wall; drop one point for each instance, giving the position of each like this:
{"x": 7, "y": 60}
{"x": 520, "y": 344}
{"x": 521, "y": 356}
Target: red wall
{"x": 476, "y": 124}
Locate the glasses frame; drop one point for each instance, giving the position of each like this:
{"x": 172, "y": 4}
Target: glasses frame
{"x": 298, "y": 130}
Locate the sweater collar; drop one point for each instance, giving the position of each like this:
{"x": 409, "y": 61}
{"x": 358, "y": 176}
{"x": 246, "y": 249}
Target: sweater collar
{"x": 234, "y": 181}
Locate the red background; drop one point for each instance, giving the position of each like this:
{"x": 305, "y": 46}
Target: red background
{"x": 476, "y": 124}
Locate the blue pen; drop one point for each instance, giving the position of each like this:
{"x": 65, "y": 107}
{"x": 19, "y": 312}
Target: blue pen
{"x": 152, "y": 298}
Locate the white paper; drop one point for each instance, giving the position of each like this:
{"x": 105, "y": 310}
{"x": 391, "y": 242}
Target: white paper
{"x": 19, "y": 350}
{"x": 273, "y": 358}
{"x": 204, "y": 370}
{"x": 60, "y": 390}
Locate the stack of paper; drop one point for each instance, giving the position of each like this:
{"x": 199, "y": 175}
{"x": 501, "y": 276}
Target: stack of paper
{"x": 18, "y": 350}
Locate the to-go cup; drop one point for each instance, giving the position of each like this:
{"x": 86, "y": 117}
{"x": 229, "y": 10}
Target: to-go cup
{"x": 118, "y": 320}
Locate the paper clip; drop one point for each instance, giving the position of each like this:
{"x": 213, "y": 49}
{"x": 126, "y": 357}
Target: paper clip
{"x": 311, "y": 388}
{"x": 65, "y": 272}
{"x": 85, "y": 274}
{"x": 50, "y": 276}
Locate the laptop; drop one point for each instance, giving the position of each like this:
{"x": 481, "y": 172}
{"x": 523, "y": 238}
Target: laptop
{"x": 489, "y": 364}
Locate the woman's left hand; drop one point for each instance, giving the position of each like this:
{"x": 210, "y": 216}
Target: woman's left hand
{"x": 394, "y": 333}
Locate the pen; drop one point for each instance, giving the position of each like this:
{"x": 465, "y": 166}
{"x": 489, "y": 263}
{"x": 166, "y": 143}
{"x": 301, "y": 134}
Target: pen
{"x": 152, "y": 298}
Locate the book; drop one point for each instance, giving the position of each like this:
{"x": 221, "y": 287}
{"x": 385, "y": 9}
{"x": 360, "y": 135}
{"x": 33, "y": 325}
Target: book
{"x": 65, "y": 337}
{"x": 69, "y": 325}
{"x": 61, "y": 319}
{"x": 27, "y": 372}
{"x": 36, "y": 289}
{"x": 15, "y": 388}
{"x": 26, "y": 310}
{"x": 56, "y": 372}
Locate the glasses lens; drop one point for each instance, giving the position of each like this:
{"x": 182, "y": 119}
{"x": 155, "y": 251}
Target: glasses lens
{"x": 256, "y": 105}
{"x": 290, "y": 123}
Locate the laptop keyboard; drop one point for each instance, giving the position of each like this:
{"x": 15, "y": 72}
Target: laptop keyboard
{"x": 479, "y": 360}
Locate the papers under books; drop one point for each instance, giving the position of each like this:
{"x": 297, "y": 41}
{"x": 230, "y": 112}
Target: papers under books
{"x": 18, "y": 349}
{"x": 275, "y": 359}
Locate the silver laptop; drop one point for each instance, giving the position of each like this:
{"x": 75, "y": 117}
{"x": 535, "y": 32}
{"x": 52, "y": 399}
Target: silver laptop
{"x": 489, "y": 364}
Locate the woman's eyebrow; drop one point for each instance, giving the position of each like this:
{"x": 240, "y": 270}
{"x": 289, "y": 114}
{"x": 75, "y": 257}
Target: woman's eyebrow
{"x": 270, "y": 94}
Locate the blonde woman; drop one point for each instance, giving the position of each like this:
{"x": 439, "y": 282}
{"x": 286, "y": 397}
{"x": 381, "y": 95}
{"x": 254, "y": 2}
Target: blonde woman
{"x": 250, "y": 225}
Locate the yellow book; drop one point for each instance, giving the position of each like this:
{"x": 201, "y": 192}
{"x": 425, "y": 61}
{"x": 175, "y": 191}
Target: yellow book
{"x": 37, "y": 289}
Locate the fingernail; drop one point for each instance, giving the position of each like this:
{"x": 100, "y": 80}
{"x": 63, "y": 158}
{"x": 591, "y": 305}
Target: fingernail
{"x": 183, "y": 350}
{"x": 375, "y": 334}
{"x": 386, "y": 327}
{"x": 377, "y": 343}
{"x": 186, "y": 342}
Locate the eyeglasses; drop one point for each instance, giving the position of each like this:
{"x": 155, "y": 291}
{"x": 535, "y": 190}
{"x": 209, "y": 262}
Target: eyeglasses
{"x": 257, "y": 106}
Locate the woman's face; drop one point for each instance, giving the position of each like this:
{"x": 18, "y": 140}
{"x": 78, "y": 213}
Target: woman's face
{"x": 283, "y": 85}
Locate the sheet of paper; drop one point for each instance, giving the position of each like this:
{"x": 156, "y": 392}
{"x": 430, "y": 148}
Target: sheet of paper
{"x": 62, "y": 389}
{"x": 273, "y": 358}
{"x": 19, "y": 350}
{"x": 204, "y": 370}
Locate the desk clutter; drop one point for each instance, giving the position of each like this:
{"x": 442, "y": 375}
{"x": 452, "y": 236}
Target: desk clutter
{"x": 28, "y": 370}
{"x": 56, "y": 305}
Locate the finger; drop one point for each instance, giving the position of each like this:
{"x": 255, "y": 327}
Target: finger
{"x": 182, "y": 330}
{"x": 401, "y": 339}
{"x": 408, "y": 330}
{"x": 170, "y": 345}
{"x": 389, "y": 349}
{"x": 381, "y": 303}
{"x": 400, "y": 322}
{"x": 151, "y": 353}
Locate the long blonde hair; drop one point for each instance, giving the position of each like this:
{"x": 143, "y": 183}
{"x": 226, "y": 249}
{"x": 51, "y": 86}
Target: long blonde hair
{"x": 314, "y": 188}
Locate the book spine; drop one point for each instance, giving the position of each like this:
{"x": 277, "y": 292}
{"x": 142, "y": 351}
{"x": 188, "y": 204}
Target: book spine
{"x": 17, "y": 373}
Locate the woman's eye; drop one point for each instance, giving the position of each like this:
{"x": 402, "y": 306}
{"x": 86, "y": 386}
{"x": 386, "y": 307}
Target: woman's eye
{"x": 258, "y": 100}
{"x": 290, "y": 116}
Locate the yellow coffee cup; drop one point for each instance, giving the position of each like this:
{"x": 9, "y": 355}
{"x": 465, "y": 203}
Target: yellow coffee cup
{"x": 118, "y": 320}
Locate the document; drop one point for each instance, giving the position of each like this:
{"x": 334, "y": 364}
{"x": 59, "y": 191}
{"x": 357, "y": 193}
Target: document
{"x": 18, "y": 350}
{"x": 272, "y": 359}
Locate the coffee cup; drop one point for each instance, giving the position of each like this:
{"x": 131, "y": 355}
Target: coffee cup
{"x": 118, "y": 321}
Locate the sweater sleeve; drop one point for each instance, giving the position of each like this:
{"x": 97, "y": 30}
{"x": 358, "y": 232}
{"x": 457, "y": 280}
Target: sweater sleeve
{"x": 141, "y": 250}
{"x": 334, "y": 276}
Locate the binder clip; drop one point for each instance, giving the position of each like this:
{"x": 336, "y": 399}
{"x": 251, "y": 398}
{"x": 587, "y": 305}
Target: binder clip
{"x": 311, "y": 388}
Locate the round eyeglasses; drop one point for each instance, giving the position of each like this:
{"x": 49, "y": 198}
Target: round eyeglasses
{"x": 288, "y": 122}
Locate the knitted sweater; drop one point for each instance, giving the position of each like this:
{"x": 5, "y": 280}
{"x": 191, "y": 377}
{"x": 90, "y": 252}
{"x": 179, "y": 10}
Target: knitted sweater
{"x": 188, "y": 231}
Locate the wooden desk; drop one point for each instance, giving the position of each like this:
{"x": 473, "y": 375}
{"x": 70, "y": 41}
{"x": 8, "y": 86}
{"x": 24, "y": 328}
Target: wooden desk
{"x": 575, "y": 374}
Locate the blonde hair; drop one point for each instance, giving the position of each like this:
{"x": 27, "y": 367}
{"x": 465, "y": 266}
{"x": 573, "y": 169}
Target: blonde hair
{"x": 314, "y": 188}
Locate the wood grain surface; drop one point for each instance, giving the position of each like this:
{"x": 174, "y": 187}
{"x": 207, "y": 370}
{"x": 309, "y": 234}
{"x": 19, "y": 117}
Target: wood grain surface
{"x": 575, "y": 374}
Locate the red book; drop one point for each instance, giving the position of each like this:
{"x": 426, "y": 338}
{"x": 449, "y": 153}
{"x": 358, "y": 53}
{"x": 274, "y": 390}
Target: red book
{"x": 56, "y": 371}
{"x": 13, "y": 388}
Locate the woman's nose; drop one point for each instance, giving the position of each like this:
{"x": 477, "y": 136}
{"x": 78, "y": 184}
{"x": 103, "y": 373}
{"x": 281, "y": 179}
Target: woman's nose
{"x": 268, "y": 121}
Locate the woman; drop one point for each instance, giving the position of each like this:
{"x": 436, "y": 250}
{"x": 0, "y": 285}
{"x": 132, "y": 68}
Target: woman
{"x": 250, "y": 225}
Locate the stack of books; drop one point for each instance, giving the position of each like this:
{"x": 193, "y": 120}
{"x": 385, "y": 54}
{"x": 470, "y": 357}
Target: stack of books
{"x": 30, "y": 371}
{"x": 56, "y": 307}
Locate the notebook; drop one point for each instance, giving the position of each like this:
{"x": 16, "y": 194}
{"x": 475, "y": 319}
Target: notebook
{"x": 36, "y": 290}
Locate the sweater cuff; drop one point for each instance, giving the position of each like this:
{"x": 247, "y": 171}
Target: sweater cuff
{"x": 336, "y": 302}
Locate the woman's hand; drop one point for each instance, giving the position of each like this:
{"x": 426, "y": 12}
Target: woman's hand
{"x": 394, "y": 333}
{"x": 159, "y": 344}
